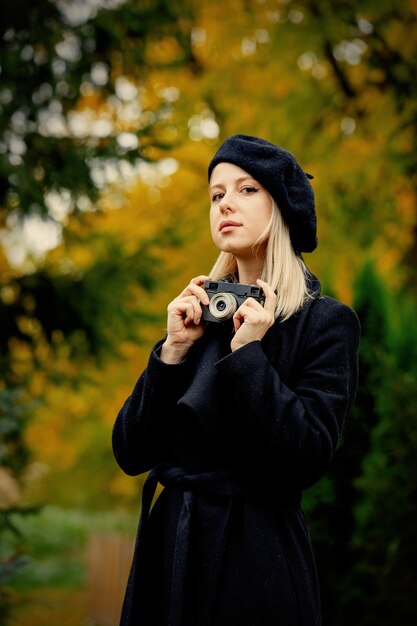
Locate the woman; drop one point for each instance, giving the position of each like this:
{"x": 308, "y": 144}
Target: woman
{"x": 235, "y": 419}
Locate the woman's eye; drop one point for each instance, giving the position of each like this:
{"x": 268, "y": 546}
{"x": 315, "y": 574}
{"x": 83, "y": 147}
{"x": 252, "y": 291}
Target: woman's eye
{"x": 216, "y": 197}
{"x": 249, "y": 190}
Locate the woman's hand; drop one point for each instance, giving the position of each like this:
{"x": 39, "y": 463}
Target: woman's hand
{"x": 252, "y": 320}
{"x": 184, "y": 321}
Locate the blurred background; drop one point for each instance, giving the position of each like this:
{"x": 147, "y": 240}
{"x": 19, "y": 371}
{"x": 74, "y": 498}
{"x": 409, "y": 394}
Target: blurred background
{"x": 109, "y": 113}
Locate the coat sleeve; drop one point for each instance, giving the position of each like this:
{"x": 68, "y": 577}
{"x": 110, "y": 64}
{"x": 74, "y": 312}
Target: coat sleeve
{"x": 143, "y": 427}
{"x": 298, "y": 429}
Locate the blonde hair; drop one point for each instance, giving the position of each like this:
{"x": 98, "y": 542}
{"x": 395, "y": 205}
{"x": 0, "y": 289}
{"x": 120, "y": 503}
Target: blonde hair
{"x": 283, "y": 269}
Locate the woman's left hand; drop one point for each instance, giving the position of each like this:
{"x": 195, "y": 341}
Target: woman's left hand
{"x": 252, "y": 320}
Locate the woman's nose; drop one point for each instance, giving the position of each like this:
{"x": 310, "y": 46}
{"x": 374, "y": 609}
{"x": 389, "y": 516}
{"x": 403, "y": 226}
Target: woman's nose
{"x": 226, "y": 204}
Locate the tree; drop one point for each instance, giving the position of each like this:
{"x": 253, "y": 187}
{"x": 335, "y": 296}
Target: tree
{"x": 74, "y": 114}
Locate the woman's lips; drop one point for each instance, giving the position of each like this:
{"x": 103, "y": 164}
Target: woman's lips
{"x": 228, "y": 226}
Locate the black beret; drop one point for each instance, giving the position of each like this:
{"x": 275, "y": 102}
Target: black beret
{"x": 279, "y": 172}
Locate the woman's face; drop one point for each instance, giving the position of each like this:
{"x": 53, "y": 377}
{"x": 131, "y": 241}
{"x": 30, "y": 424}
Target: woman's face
{"x": 240, "y": 211}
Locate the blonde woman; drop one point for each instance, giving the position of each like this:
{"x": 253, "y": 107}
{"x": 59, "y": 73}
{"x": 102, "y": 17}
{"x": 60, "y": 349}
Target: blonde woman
{"x": 236, "y": 417}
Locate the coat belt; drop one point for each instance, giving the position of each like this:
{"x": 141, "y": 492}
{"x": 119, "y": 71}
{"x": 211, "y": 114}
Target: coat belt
{"x": 209, "y": 483}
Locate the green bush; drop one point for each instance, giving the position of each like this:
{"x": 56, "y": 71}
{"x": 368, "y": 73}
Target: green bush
{"x": 363, "y": 511}
{"x": 54, "y": 542}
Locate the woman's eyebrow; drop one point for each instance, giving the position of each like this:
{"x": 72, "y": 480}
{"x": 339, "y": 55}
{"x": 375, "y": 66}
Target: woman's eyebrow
{"x": 237, "y": 181}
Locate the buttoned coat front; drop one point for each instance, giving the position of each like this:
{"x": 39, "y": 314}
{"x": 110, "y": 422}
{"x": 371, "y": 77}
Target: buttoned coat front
{"x": 262, "y": 423}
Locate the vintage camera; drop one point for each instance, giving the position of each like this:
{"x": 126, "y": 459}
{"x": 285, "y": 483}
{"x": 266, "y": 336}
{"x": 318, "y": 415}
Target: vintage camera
{"x": 226, "y": 298}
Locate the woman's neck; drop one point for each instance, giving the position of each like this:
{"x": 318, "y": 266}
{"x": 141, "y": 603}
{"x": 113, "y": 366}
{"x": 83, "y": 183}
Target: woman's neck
{"x": 249, "y": 270}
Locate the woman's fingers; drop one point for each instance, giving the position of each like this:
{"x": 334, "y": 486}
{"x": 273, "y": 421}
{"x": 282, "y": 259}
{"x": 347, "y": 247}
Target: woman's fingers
{"x": 200, "y": 280}
{"x": 253, "y": 312}
{"x": 184, "y": 317}
{"x": 252, "y": 320}
{"x": 194, "y": 288}
{"x": 191, "y": 315}
{"x": 185, "y": 312}
{"x": 270, "y": 297}
{"x": 188, "y": 308}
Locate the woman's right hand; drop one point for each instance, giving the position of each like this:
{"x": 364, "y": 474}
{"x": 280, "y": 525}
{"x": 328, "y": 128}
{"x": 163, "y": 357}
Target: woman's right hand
{"x": 184, "y": 321}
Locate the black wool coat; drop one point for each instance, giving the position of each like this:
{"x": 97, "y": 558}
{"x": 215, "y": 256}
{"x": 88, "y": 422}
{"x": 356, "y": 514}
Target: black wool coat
{"x": 235, "y": 438}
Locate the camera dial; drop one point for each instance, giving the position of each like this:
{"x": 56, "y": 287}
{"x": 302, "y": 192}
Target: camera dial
{"x": 223, "y": 306}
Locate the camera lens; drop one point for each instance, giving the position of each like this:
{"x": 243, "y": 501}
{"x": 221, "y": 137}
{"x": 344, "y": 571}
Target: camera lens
{"x": 223, "y": 306}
